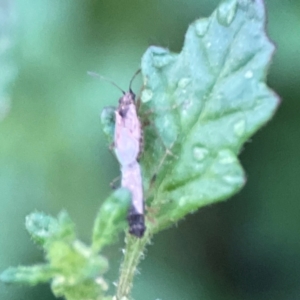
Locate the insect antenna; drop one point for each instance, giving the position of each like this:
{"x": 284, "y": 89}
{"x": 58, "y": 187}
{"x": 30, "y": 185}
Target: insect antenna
{"x": 133, "y": 77}
{"x": 105, "y": 79}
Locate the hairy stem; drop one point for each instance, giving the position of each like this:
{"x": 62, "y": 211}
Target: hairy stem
{"x": 134, "y": 251}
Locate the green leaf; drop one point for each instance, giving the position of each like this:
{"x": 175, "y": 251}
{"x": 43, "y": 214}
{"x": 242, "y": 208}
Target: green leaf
{"x": 44, "y": 228}
{"x": 111, "y": 219}
{"x": 207, "y": 101}
{"x": 29, "y": 275}
{"x": 78, "y": 271}
{"x": 74, "y": 269}
{"x": 108, "y": 123}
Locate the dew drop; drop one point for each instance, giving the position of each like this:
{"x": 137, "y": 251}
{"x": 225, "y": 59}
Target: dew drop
{"x": 232, "y": 179}
{"x": 160, "y": 56}
{"x": 226, "y": 157}
{"x": 147, "y": 95}
{"x": 160, "y": 61}
{"x": 183, "y": 82}
{"x": 201, "y": 26}
{"x": 199, "y": 153}
{"x": 182, "y": 201}
{"x": 155, "y": 50}
{"x": 226, "y": 12}
{"x": 239, "y": 127}
{"x": 248, "y": 74}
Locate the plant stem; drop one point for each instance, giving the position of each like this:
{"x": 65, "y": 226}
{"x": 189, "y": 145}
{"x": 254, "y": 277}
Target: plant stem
{"x": 132, "y": 256}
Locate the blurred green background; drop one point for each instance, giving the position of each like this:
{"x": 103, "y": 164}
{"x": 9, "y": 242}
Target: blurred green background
{"x": 53, "y": 154}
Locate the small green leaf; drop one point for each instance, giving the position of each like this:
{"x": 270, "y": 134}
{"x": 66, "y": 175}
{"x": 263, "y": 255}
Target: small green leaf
{"x": 44, "y": 228}
{"x": 207, "y": 101}
{"x": 29, "y": 275}
{"x": 74, "y": 269}
{"x": 111, "y": 219}
{"x": 86, "y": 290}
{"x": 75, "y": 259}
{"x": 78, "y": 271}
{"x": 108, "y": 123}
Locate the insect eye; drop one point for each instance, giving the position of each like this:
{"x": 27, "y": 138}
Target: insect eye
{"x": 123, "y": 112}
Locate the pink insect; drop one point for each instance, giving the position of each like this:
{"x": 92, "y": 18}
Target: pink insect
{"x": 127, "y": 145}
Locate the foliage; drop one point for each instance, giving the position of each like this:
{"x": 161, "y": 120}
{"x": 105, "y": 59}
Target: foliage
{"x": 206, "y": 102}
{"x": 74, "y": 269}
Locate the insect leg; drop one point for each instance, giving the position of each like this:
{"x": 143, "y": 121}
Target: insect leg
{"x": 113, "y": 182}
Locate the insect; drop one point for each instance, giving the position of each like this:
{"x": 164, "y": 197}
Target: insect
{"x": 132, "y": 180}
{"x": 128, "y": 136}
{"x": 127, "y": 145}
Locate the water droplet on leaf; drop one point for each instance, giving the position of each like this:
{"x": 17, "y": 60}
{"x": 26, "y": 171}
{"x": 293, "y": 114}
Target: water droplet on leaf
{"x": 231, "y": 179}
{"x": 239, "y": 127}
{"x": 226, "y": 157}
{"x": 199, "y": 153}
{"x": 162, "y": 60}
{"x": 182, "y": 201}
{"x": 147, "y": 95}
{"x": 249, "y": 74}
{"x": 183, "y": 82}
{"x": 226, "y": 12}
{"x": 201, "y": 26}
